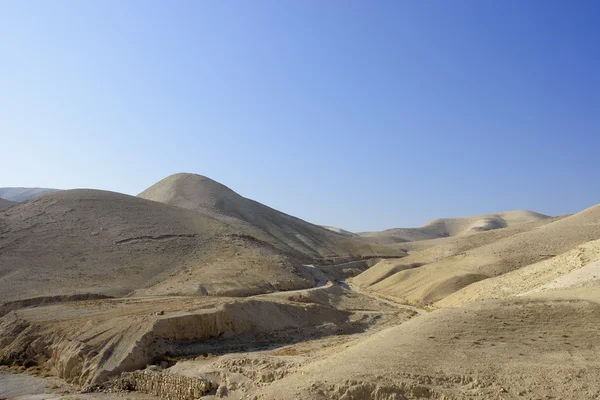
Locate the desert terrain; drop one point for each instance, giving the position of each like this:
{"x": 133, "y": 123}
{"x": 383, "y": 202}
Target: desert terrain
{"x": 190, "y": 290}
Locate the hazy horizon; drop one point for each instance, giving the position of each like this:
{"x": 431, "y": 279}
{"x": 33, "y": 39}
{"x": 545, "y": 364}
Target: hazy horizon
{"x": 351, "y": 114}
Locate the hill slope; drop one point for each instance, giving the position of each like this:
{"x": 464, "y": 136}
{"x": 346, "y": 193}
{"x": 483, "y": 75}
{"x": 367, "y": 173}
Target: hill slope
{"x": 445, "y": 227}
{"x": 204, "y": 195}
{"x": 487, "y": 350}
{"x": 432, "y": 280}
{"x": 90, "y": 241}
{"x": 19, "y": 194}
{"x": 575, "y": 269}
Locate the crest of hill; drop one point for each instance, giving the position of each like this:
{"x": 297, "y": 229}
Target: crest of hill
{"x": 19, "y": 194}
{"x": 4, "y": 204}
{"x": 432, "y": 280}
{"x": 91, "y": 241}
{"x": 445, "y": 227}
{"x": 204, "y": 195}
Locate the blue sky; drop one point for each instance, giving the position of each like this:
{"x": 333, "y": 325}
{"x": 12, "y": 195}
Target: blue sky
{"x": 365, "y": 115}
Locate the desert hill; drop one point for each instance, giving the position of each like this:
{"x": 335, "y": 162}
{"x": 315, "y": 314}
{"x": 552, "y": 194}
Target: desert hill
{"x": 421, "y": 280}
{"x": 204, "y": 195}
{"x": 571, "y": 271}
{"x": 90, "y": 241}
{"x": 19, "y": 194}
{"x": 4, "y": 204}
{"x": 445, "y": 227}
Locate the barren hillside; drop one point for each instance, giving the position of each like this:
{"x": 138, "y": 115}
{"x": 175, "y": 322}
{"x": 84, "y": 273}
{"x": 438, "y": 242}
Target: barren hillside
{"x": 430, "y": 280}
{"x": 204, "y": 195}
{"x": 80, "y": 241}
{"x": 575, "y": 269}
{"x": 88, "y": 241}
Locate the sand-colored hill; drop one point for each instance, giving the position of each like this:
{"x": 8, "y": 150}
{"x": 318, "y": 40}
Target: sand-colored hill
{"x": 428, "y": 281}
{"x": 431, "y": 251}
{"x": 204, "y": 195}
{"x": 574, "y": 269}
{"x": 89, "y": 241}
{"x": 19, "y": 194}
{"x": 4, "y": 204}
{"x": 480, "y": 223}
{"x": 445, "y": 227}
{"x": 435, "y": 249}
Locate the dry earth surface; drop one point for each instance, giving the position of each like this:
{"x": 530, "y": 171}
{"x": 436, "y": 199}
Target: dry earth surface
{"x": 192, "y": 291}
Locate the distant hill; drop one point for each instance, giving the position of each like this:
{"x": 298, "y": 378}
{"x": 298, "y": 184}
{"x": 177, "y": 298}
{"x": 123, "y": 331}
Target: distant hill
{"x": 4, "y": 204}
{"x": 445, "y": 227}
{"x": 19, "y": 194}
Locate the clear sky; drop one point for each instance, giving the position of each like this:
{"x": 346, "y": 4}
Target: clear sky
{"x": 360, "y": 114}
